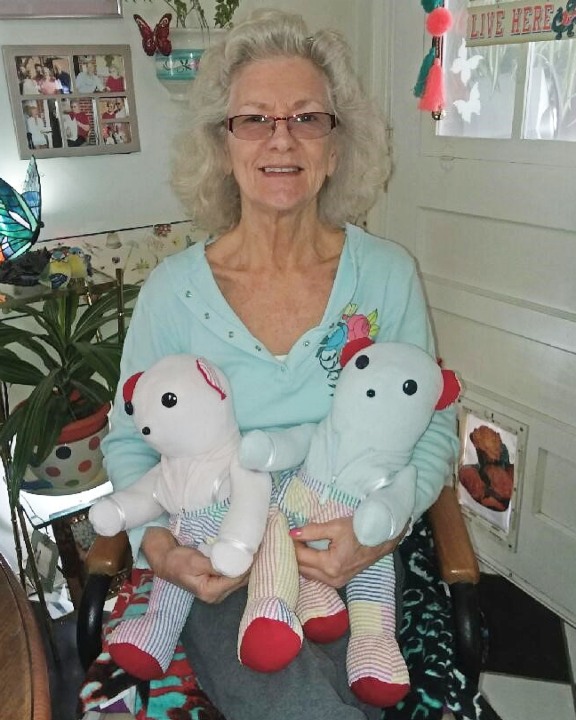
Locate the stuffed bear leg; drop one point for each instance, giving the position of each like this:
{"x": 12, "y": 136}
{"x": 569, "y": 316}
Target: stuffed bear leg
{"x": 144, "y": 646}
{"x": 321, "y": 611}
{"x": 376, "y": 669}
{"x": 270, "y": 634}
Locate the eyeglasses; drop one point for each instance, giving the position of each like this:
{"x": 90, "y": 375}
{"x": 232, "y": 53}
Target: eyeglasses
{"x": 304, "y": 126}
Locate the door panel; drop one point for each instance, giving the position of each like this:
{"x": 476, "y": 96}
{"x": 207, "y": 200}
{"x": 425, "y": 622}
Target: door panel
{"x": 491, "y": 223}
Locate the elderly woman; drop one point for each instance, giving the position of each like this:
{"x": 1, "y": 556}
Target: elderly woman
{"x": 282, "y": 155}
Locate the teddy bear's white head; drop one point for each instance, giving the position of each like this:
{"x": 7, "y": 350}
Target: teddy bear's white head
{"x": 182, "y": 405}
{"x": 387, "y": 393}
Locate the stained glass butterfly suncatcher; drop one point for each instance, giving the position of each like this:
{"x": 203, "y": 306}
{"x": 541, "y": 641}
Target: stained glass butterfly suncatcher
{"x": 20, "y": 222}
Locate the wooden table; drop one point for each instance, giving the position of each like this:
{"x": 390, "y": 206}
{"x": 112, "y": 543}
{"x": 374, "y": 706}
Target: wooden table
{"x": 24, "y": 689}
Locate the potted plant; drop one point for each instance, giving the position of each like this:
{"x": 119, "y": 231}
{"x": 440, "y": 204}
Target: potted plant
{"x": 177, "y": 51}
{"x": 189, "y": 13}
{"x": 69, "y": 354}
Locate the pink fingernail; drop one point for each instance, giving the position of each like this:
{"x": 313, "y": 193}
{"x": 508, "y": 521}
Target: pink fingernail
{"x": 296, "y": 532}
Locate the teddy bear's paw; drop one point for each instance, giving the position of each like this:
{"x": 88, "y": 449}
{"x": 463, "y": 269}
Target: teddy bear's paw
{"x": 373, "y": 522}
{"x": 376, "y": 669}
{"x": 256, "y": 450}
{"x": 107, "y": 517}
{"x": 230, "y": 558}
{"x": 270, "y": 635}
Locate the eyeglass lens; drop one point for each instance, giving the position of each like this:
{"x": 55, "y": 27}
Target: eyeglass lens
{"x": 302, "y": 126}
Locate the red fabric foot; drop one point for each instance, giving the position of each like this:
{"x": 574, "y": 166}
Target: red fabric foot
{"x": 378, "y": 693}
{"x": 136, "y": 662}
{"x": 269, "y": 645}
{"x": 326, "y": 629}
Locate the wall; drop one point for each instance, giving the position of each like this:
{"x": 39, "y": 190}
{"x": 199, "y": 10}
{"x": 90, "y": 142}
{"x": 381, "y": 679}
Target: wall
{"x": 491, "y": 223}
{"x": 99, "y": 193}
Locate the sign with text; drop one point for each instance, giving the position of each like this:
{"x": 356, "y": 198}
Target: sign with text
{"x": 514, "y": 22}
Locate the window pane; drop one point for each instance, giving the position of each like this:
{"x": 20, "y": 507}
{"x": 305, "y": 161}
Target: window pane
{"x": 480, "y": 89}
{"x": 550, "y": 112}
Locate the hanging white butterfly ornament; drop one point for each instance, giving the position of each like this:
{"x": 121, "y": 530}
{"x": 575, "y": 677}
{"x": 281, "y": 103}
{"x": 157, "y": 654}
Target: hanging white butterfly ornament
{"x": 472, "y": 106}
{"x": 463, "y": 65}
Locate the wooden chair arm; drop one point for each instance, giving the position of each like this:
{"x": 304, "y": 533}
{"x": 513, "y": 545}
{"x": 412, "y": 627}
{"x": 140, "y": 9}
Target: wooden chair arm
{"x": 456, "y": 558}
{"x": 108, "y": 555}
{"x": 106, "y": 559}
{"x": 458, "y": 568}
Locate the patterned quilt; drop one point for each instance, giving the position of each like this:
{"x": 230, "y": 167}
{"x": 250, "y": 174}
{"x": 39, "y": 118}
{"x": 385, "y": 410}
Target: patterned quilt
{"x": 426, "y": 638}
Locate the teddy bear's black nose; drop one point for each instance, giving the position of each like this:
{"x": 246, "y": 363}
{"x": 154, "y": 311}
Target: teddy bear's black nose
{"x": 146, "y": 430}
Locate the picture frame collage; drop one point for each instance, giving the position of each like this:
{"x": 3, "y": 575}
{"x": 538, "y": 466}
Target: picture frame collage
{"x": 72, "y": 100}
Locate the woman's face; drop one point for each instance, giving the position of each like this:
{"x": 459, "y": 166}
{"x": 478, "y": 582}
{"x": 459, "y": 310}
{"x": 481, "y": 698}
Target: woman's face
{"x": 280, "y": 173}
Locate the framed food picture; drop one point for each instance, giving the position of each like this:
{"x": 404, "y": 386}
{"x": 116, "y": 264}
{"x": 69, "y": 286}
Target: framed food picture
{"x": 70, "y": 100}
{"x": 490, "y": 470}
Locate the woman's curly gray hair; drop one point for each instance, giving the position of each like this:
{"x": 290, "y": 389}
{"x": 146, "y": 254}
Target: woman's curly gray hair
{"x": 200, "y": 170}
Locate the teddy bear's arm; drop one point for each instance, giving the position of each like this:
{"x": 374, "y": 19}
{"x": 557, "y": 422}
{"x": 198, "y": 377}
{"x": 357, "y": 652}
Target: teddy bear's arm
{"x": 276, "y": 450}
{"x": 129, "y": 508}
{"x": 383, "y": 514}
{"x": 243, "y": 525}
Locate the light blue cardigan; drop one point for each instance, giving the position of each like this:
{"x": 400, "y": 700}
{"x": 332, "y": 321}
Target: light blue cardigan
{"x": 180, "y": 309}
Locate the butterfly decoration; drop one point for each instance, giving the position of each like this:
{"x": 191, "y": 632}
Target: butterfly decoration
{"x": 20, "y": 222}
{"x": 157, "y": 39}
{"x": 472, "y": 106}
{"x": 463, "y": 65}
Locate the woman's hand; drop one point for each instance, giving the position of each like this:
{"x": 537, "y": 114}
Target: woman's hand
{"x": 186, "y": 567}
{"x": 343, "y": 559}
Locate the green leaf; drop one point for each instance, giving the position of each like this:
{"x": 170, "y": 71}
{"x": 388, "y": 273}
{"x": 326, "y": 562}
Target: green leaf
{"x": 15, "y": 371}
{"x": 37, "y": 425}
{"x": 104, "y": 310}
{"x": 9, "y": 334}
{"x": 103, "y": 359}
{"x": 10, "y": 427}
{"x": 93, "y": 391}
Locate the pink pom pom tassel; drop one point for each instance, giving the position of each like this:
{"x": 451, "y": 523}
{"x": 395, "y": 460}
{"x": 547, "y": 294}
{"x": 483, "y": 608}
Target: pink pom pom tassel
{"x": 439, "y": 21}
{"x": 433, "y": 98}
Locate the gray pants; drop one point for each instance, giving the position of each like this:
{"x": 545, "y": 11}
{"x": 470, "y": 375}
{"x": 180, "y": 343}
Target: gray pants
{"x": 313, "y": 687}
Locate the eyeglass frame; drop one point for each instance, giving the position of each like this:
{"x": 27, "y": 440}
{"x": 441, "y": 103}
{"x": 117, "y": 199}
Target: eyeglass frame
{"x": 275, "y": 118}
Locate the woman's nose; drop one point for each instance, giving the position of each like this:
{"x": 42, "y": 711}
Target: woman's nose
{"x": 281, "y": 135}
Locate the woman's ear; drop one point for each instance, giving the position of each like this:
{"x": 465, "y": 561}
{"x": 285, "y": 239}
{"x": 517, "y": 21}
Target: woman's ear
{"x": 332, "y": 161}
{"x": 226, "y": 161}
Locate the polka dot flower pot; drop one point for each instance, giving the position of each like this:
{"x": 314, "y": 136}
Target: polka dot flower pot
{"x": 75, "y": 464}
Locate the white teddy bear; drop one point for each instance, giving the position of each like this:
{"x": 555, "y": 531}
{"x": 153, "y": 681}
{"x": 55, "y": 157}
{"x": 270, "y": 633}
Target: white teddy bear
{"x": 357, "y": 462}
{"x": 183, "y": 407}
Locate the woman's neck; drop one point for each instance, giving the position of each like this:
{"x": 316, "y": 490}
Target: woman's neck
{"x": 278, "y": 244}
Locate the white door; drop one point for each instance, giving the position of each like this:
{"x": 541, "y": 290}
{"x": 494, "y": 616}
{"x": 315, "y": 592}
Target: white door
{"x": 492, "y": 224}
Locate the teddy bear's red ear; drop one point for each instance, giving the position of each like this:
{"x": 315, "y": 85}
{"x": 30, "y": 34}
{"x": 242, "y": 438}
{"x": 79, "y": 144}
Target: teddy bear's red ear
{"x": 352, "y": 347}
{"x": 451, "y": 390}
{"x": 128, "y": 392}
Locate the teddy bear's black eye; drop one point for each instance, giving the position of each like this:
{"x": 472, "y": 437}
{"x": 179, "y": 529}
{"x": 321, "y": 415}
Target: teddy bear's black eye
{"x": 371, "y": 393}
{"x": 410, "y": 387}
{"x": 169, "y": 400}
{"x": 362, "y": 361}
{"x": 128, "y": 407}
